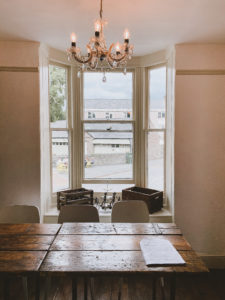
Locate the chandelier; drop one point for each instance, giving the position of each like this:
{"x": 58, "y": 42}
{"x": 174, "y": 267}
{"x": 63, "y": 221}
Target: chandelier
{"x": 98, "y": 56}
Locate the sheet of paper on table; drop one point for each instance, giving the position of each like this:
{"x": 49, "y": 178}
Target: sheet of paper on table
{"x": 160, "y": 252}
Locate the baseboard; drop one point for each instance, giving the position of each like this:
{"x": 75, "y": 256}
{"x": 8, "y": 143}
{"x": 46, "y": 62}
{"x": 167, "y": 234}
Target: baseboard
{"x": 213, "y": 261}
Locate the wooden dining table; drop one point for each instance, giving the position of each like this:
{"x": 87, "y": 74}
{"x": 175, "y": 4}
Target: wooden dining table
{"x": 90, "y": 250}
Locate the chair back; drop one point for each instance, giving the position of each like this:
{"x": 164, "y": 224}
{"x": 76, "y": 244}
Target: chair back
{"x": 78, "y": 213}
{"x": 17, "y": 214}
{"x": 133, "y": 211}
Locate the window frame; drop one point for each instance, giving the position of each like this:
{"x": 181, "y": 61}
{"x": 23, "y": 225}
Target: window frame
{"x": 109, "y": 120}
{"x": 148, "y": 129}
{"x": 68, "y": 129}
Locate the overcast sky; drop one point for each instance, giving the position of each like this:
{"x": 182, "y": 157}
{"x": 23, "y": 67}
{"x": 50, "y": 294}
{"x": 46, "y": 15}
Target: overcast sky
{"x": 119, "y": 86}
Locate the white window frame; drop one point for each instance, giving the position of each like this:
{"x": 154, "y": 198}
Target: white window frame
{"x": 149, "y": 130}
{"x": 125, "y": 121}
{"x": 68, "y": 129}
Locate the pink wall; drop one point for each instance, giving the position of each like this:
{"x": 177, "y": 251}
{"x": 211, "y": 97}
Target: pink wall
{"x": 19, "y": 125}
{"x": 200, "y": 148}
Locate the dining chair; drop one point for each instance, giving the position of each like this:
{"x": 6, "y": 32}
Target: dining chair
{"x": 78, "y": 213}
{"x": 17, "y": 214}
{"x": 132, "y": 211}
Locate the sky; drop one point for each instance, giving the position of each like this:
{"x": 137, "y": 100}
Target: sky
{"x": 119, "y": 86}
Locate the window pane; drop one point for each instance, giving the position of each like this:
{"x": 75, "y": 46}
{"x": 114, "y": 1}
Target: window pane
{"x": 157, "y": 97}
{"x": 156, "y": 160}
{"x": 60, "y": 160}
{"x": 108, "y": 100}
{"x": 108, "y": 151}
{"x": 109, "y": 188}
{"x": 58, "y": 96}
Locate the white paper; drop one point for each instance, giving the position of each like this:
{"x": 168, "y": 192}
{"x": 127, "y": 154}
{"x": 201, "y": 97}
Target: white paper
{"x": 158, "y": 251}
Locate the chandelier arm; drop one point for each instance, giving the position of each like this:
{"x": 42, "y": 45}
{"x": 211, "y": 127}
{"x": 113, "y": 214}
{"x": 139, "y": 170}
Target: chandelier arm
{"x": 115, "y": 59}
{"x": 82, "y": 61}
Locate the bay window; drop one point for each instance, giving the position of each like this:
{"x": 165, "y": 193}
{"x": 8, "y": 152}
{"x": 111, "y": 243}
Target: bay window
{"x": 98, "y": 140}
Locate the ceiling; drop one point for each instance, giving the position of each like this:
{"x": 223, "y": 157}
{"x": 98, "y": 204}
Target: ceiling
{"x": 154, "y": 24}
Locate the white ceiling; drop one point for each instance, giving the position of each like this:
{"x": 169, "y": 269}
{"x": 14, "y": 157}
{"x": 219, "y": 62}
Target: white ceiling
{"x": 154, "y": 24}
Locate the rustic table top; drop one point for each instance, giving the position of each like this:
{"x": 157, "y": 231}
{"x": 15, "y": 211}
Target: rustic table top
{"x": 21, "y": 261}
{"x": 38, "y": 229}
{"x": 111, "y": 243}
{"x": 114, "y": 262}
{"x": 26, "y": 242}
{"x": 92, "y": 248}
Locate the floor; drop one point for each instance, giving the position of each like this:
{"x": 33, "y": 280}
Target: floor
{"x": 208, "y": 287}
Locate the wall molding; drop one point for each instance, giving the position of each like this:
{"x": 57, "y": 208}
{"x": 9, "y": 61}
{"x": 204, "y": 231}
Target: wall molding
{"x": 19, "y": 69}
{"x": 200, "y": 72}
{"x": 214, "y": 261}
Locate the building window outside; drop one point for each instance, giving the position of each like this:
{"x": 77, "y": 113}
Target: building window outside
{"x": 60, "y": 131}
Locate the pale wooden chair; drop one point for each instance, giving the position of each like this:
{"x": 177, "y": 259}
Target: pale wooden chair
{"x": 17, "y": 214}
{"x": 78, "y": 213}
{"x": 132, "y": 211}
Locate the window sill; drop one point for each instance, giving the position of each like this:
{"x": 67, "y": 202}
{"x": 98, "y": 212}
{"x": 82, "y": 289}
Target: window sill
{"x": 162, "y": 216}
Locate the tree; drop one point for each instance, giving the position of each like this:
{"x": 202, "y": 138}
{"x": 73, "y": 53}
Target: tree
{"x": 57, "y": 93}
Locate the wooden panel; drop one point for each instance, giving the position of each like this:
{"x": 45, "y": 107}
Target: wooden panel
{"x": 43, "y": 229}
{"x": 87, "y": 228}
{"x": 110, "y": 242}
{"x": 25, "y": 242}
{"x": 167, "y": 228}
{"x": 35, "y": 229}
{"x": 21, "y": 261}
{"x": 111, "y": 262}
{"x": 6, "y": 229}
{"x": 138, "y": 228}
{"x": 166, "y": 225}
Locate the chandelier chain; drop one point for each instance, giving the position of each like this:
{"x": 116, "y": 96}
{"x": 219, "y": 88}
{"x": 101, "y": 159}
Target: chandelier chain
{"x": 101, "y": 10}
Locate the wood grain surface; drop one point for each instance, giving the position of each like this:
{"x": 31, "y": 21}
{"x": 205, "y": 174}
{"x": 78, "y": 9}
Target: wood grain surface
{"x": 111, "y": 242}
{"x": 6, "y": 229}
{"x": 114, "y": 262}
{"x": 43, "y": 229}
{"x": 87, "y": 228}
{"x": 25, "y": 242}
{"x": 134, "y": 228}
{"x": 20, "y": 261}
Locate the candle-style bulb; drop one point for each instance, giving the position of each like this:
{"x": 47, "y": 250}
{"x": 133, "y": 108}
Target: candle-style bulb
{"x": 117, "y": 47}
{"x": 97, "y": 26}
{"x": 126, "y": 34}
{"x": 73, "y": 37}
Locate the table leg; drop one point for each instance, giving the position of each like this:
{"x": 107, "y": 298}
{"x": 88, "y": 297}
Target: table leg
{"x": 92, "y": 288}
{"x": 74, "y": 288}
{"x": 173, "y": 287}
{"x": 6, "y": 288}
{"x": 25, "y": 287}
{"x": 37, "y": 286}
{"x": 47, "y": 286}
{"x": 85, "y": 288}
{"x": 153, "y": 288}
